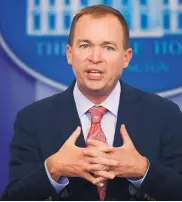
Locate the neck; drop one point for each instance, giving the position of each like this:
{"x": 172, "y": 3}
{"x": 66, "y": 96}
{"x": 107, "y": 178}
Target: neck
{"x": 96, "y": 97}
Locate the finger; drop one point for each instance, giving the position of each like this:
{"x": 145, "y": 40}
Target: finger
{"x": 100, "y": 145}
{"x": 100, "y": 184}
{"x": 93, "y": 152}
{"x": 95, "y": 142}
{"x": 125, "y": 136}
{"x": 99, "y": 181}
{"x": 72, "y": 139}
{"x": 103, "y": 161}
{"x": 89, "y": 177}
{"x": 105, "y": 174}
{"x": 97, "y": 167}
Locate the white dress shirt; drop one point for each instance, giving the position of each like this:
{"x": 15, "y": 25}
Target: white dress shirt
{"x": 108, "y": 124}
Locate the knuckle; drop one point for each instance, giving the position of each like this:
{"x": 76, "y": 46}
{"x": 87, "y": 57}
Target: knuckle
{"x": 86, "y": 167}
{"x": 108, "y": 161}
{"x": 94, "y": 167}
{"x": 113, "y": 176}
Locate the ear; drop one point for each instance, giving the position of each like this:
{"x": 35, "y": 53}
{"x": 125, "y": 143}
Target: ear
{"x": 69, "y": 54}
{"x": 127, "y": 57}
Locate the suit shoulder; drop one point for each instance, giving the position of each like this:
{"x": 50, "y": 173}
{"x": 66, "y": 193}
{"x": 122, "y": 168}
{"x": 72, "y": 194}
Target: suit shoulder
{"x": 149, "y": 100}
{"x": 157, "y": 101}
{"x": 44, "y": 105}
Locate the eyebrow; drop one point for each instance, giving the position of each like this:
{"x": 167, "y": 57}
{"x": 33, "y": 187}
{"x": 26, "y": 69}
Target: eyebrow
{"x": 103, "y": 43}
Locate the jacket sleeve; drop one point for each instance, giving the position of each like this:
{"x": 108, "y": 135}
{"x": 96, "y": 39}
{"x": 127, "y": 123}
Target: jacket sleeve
{"x": 164, "y": 178}
{"x": 27, "y": 174}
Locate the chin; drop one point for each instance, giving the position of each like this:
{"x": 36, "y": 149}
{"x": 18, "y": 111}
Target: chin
{"x": 95, "y": 88}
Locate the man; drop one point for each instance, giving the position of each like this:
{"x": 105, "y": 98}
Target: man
{"x": 127, "y": 144}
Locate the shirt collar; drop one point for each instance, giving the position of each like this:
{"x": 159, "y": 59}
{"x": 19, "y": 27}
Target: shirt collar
{"x": 111, "y": 103}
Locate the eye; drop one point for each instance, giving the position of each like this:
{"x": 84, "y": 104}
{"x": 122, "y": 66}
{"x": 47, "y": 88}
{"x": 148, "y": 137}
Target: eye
{"x": 85, "y": 46}
{"x": 109, "y": 48}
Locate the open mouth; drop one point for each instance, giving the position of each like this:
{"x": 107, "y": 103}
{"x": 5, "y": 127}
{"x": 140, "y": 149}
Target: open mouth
{"x": 94, "y": 74}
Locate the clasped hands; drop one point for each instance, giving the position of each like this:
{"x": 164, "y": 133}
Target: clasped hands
{"x": 98, "y": 161}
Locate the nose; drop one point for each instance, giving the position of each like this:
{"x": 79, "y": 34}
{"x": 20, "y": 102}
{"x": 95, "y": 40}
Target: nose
{"x": 95, "y": 56}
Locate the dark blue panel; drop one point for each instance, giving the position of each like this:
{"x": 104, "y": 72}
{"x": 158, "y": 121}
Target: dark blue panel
{"x": 144, "y": 21}
{"x": 125, "y": 2}
{"x": 52, "y": 21}
{"x": 180, "y": 21}
{"x": 84, "y": 2}
{"x": 143, "y": 2}
{"x": 67, "y": 2}
{"x": 67, "y": 21}
{"x": 166, "y": 21}
{"x": 52, "y": 2}
{"x": 165, "y": 2}
{"x": 36, "y": 23}
{"x": 107, "y": 2}
{"x": 36, "y": 2}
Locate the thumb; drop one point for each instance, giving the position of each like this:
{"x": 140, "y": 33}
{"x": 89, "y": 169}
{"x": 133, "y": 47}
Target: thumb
{"x": 125, "y": 136}
{"x": 72, "y": 139}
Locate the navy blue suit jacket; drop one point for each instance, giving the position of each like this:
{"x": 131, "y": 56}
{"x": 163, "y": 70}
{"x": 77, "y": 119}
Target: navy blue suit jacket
{"x": 153, "y": 123}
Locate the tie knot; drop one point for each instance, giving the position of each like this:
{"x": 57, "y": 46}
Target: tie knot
{"x": 97, "y": 113}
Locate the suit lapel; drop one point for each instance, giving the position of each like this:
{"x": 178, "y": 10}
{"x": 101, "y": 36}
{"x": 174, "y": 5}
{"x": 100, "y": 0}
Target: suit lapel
{"x": 126, "y": 111}
{"x": 69, "y": 117}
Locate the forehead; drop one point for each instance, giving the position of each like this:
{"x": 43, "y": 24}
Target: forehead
{"x": 100, "y": 27}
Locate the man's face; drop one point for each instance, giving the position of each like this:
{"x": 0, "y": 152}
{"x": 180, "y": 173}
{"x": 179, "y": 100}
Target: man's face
{"x": 97, "y": 54}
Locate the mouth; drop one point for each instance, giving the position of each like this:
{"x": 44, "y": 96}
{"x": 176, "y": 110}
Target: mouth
{"x": 94, "y": 74}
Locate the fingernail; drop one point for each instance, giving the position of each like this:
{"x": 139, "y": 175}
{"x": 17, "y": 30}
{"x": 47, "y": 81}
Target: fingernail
{"x": 101, "y": 184}
{"x": 78, "y": 129}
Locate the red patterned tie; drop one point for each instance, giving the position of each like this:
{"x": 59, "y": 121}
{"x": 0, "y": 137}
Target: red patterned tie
{"x": 97, "y": 133}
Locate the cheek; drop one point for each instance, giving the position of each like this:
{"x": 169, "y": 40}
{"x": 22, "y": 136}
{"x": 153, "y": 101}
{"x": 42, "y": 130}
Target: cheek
{"x": 78, "y": 65}
{"x": 115, "y": 66}
{"x": 79, "y": 59}
{"x": 76, "y": 59}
